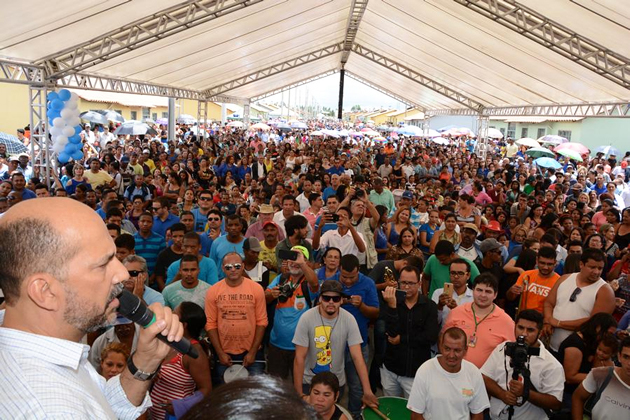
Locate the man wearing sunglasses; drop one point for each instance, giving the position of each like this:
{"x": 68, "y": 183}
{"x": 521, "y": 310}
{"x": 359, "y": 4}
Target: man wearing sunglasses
{"x": 237, "y": 317}
{"x": 576, "y": 297}
{"x": 201, "y": 213}
{"x": 137, "y": 283}
{"x": 321, "y": 337}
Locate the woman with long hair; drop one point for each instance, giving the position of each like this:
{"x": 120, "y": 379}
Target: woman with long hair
{"x": 427, "y": 231}
{"x": 534, "y": 218}
{"x": 467, "y": 212}
{"x": 610, "y": 247}
{"x": 189, "y": 203}
{"x": 380, "y": 238}
{"x": 114, "y": 360}
{"x": 174, "y": 189}
{"x": 405, "y": 247}
{"x": 400, "y": 221}
{"x": 447, "y": 234}
{"x": 622, "y": 232}
{"x": 77, "y": 178}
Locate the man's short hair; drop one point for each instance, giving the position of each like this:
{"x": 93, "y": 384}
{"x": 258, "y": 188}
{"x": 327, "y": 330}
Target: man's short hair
{"x": 312, "y": 197}
{"x": 125, "y": 241}
{"x": 288, "y": 197}
{"x": 411, "y": 269}
{"x": 461, "y": 261}
{"x": 549, "y": 239}
{"x": 189, "y": 258}
{"x": 455, "y": 333}
{"x": 414, "y": 261}
{"x": 28, "y": 246}
{"x": 349, "y": 262}
{"x": 137, "y": 258}
{"x": 328, "y": 379}
{"x": 547, "y": 252}
{"x": 145, "y": 213}
{"x": 487, "y": 279}
{"x": 178, "y": 227}
{"x": 531, "y": 315}
{"x": 113, "y": 226}
{"x": 591, "y": 254}
{"x": 114, "y": 212}
{"x": 444, "y": 247}
{"x": 194, "y": 236}
{"x": 294, "y": 223}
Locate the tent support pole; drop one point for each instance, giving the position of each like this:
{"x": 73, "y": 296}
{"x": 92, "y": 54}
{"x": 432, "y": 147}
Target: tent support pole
{"x": 171, "y": 119}
{"x": 342, "y": 74}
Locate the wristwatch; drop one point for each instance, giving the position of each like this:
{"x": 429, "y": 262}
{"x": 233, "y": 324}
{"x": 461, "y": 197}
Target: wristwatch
{"x": 137, "y": 373}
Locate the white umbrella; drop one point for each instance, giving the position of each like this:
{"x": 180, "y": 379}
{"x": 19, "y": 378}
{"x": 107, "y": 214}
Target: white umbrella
{"x": 94, "y": 117}
{"x": 527, "y": 142}
{"x": 186, "y": 119}
{"x": 493, "y": 133}
{"x": 112, "y": 116}
{"x": 148, "y": 121}
{"x": 440, "y": 140}
{"x": 433, "y": 133}
{"x": 236, "y": 124}
{"x": 317, "y": 133}
{"x": 260, "y": 126}
{"x": 134, "y": 128}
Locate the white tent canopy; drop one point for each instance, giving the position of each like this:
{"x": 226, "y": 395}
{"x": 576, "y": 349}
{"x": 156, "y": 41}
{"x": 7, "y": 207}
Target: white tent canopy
{"x": 439, "y": 54}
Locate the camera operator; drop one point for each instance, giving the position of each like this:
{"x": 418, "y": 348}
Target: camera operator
{"x": 294, "y": 290}
{"x": 531, "y": 398}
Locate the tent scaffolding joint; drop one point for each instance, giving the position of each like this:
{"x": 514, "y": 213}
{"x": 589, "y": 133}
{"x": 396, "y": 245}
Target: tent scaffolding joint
{"x": 246, "y": 111}
{"x": 42, "y": 156}
{"x": 202, "y": 113}
{"x": 481, "y": 147}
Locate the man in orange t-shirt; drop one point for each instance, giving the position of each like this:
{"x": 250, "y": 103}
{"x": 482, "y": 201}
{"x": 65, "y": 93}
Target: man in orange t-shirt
{"x": 533, "y": 286}
{"x": 237, "y": 317}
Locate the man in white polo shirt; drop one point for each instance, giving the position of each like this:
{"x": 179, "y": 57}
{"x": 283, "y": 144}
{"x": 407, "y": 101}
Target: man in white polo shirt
{"x": 345, "y": 237}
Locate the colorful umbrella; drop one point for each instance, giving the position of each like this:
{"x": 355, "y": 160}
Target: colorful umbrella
{"x": 607, "y": 150}
{"x": 538, "y": 152}
{"x": 552, "y": 139}
{"x": 578, "y": 147}
{"x": 260, "y": 126}
{"x": 571, "y": 154}
{"x": 493, "y": 133}
{"x": 186, "y": 119}
{"x": 14, "y": 145}
{"x": 546, "y": 162}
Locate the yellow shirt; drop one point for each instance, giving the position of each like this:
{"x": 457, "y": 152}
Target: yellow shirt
{"x": 98, "y": 179}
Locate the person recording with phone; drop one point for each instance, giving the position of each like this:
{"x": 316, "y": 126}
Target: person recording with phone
{"x": 540, "y": 383}
{"x": 345, "y": 237}
{"x": 454, "y": 293}
{"x": 294, "y": 292}
{"x": 411, "y": 327}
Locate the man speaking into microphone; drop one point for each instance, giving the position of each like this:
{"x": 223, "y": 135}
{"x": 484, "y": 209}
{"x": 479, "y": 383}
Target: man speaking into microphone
{"x": 60, "y": 276}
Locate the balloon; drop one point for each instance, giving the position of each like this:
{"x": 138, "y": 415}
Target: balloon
{"x": 66, "y": 114}
{"x": 76, "y": 139}
{"x": 58, "y": 148}
{"x": 68, "y": 131}
{"x": 78, "y": 129}
{"x": 61, "y": 140}
{"x": 59, "y": 122}
{"x": 74, "y": 96}
{"x": 53, "y": 113}
{"x": 70, "y": 148}
{"x": 74, "y": 121}
{"x": 63, "y": 157}
{"x": 57, "y": 104}
{"x": 72, "y": 104}
{"x": 64, "y": 94}
{"x": 52, "y": 96}
{"x": 78, "y": 155}
{"x": 56, "y": 131}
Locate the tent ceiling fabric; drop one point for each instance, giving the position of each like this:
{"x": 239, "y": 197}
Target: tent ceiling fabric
{"x": 442, "y": 40}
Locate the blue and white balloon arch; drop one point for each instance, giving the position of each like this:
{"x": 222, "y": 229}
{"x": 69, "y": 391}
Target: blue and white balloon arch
{"x": 64, "y": 125}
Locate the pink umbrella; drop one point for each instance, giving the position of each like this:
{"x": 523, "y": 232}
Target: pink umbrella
{"x": 577, "y": 147}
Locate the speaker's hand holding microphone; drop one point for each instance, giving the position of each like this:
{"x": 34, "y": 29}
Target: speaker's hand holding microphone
{"x": 161, "y": 331}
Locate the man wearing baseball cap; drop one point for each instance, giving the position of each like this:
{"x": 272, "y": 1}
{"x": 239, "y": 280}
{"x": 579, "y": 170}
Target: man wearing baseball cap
{"x": 293, "y": 292}
{"x": 252, "y": 266}
{"x": 321, "y": 337}
{"x": 406, "y": 200}
{"x": 268, "y": 246}
{"x": 469, "y": 246}
{"x": 491, "y": 260}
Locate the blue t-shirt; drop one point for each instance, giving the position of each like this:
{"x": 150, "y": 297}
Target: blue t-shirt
{"x": 430, "y": 232}
{"x": 365, "y": 288}
{"x": 151, "y": 296}
{"x": 287, "y": 316}
{"x": 160, "y": 227}
{"x": 220, "y": 248}
{"x": 149, "y": 248}
{"x": 207, "y": 271}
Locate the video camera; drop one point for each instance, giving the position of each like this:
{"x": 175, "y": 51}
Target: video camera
{"x": 520, "y": 352}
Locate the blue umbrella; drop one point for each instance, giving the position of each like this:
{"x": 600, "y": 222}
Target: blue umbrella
{"x": 546, "y": 162}
{"x": 14, "y": 145}
{"x": 607, "y": 150}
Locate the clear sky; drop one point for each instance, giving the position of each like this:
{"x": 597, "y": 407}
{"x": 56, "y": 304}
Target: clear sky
{"x": 325, "y": 92}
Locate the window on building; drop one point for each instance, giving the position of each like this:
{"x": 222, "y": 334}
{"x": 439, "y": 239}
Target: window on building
{"x": 119, "y": 111}
{"x": 154, "y": 116}
{"x": 502, "y": 130}
{"x": 524, "y": 132}
{"x": 541, "y": 133}
{"x": 146, "y": 113}
{"x": 164, "y": 114}
{"x": 134, "y": 115}
{"x": 565, "y": 133}
{"x": 511, "y": 130}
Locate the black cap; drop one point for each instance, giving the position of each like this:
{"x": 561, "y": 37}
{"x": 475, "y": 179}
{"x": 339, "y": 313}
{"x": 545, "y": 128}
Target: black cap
{"x": 332, "y": 286}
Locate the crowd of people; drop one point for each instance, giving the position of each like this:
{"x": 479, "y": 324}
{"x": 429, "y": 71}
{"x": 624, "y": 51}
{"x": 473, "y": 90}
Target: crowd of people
{"x": 345, "y": 268}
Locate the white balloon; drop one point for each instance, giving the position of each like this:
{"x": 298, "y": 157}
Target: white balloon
{"x": 68, "y": 131}
{"x": 59, "y": 122}
{"x": 73, "y": 97}
{"x": 66, "y": 113}
{"x": 72, "y": 104}
{"x": 74, "y": 121}
{"x": 61, "y": 140}
{"x": 58, "y": 147}
{"x": 55, "y": 131}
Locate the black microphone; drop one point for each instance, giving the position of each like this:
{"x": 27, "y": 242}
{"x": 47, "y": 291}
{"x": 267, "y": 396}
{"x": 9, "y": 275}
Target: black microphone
{"x": 132, "y": 308}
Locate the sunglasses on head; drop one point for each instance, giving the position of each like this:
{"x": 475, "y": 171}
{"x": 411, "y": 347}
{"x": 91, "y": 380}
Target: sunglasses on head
{"x": 134, "y": 273}
{"x": 575, "y": 294}
{"x": 335, "y": 299}
{"x": 236, "y": 266}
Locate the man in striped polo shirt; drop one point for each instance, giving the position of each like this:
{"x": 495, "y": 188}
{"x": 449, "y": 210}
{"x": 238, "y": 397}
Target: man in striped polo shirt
{"x": 148, "y": 243}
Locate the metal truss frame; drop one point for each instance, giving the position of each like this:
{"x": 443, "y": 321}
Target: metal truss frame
{"x": 138, "y": 34}
{"x": 246, "y": 111}
{"x": 275, "y": 69}
{"x": 417, "y": 77}
{"x": 556, "y": 37}
{"x": 384, "y": 91}
{"x": 202, "y": 113}
{"x": 41, "y": 154}
{"x": 482, "y": 136}
{"x": 16, "y": 72}
{"x": 357, "y": 9}
{"x": 588, "y": 109}
{"x": 292, "y": 85}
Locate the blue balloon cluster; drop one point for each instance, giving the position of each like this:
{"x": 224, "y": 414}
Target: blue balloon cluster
{"x": 57, "y": 102}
